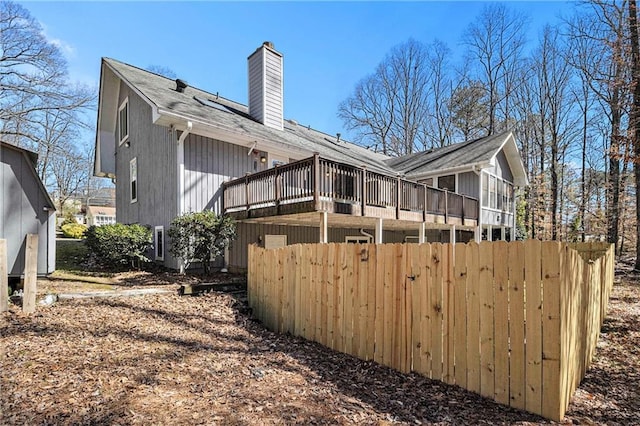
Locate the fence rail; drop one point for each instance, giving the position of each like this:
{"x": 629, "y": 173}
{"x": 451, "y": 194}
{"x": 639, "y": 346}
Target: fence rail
{"x": 515, "y": 322}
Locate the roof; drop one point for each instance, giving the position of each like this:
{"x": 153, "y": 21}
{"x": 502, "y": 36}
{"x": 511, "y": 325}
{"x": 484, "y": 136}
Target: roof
{"x": 101, "y": 210}
{"x": 224, "y": 114}
{"x": 477, "y": 153}
{"x": 32, "y": 159}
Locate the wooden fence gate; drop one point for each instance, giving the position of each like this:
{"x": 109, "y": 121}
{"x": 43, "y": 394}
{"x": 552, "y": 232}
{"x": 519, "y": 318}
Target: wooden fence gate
{"x": 515, "y": 322}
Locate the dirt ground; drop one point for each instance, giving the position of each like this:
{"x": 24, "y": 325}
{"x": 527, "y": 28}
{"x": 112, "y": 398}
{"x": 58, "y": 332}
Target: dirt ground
{"x": 165, "y": 359}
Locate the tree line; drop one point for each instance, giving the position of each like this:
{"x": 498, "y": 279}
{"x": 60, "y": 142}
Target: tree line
{"x": 571, "y": 97}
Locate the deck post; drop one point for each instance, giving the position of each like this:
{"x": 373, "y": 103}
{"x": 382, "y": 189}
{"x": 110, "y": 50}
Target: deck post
{"x": 276, "y": 185}
{"x": 378, "y": 233}
{"x": 324, "y": 230}
{"x": 363, "y": 191}
{"x": 398, "y": 196}
{"x": 446, "y": 206}
{"x": 452, "y": 234}
{"x": 246, "y": 193}
{"x": 316, "y": 181}
{"x": 421, "y": 229}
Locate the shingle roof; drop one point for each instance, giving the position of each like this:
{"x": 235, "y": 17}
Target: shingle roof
{"x": 458, "y": 155}
{"x": 233, "y": 116}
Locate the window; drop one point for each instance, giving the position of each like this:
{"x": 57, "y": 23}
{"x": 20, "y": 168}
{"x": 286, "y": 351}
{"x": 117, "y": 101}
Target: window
{"x": 133, "y": 175}
{"x": 447, "y": 182}
{"x": 427, "y": 182}
{"x": 499, "y": 198}
{"x": 492, "y": 192}
{"x": 159, "y": 239}
{"x": 485, "y": 190}
{"x": 123, "y": 121}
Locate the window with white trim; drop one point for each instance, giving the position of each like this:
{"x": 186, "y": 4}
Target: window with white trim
{"x": 133, "y": 178}
{"x": 159, "y": 240}
{"x": 123, "y": 121}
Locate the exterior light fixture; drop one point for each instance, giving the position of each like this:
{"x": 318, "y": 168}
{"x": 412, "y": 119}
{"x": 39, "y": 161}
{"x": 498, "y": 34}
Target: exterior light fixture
{"x": 263, "y": 159}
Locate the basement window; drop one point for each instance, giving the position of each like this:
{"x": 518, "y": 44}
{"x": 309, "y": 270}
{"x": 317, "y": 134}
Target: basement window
{"x": 159, "y": 239}
{"x": 123, "y": 121}
{"x": 358, "y": 239}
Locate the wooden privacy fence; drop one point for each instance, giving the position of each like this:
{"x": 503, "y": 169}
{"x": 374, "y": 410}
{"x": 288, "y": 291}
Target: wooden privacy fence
{"x": 516, "y": 322}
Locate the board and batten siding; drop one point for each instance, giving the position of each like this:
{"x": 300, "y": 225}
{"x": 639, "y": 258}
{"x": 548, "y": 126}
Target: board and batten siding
{"x": 253, "y": 233}
{"x": 22, "y": 212}
{"x": 155, "y": 148}
{"x": 207, "y": 164}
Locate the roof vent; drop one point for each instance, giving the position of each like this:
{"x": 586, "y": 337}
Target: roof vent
{"x": 181, "y": 85}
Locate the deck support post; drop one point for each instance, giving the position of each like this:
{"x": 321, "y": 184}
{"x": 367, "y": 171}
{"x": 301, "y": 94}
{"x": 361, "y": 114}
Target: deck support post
{"x": 452, "y": 234}
{"x": 478, "y": 234}
{"x": 378, "y": 233}
{"x": 324, "y": 237}
{"x": 489, "y": 233}
{"x": 503, "y": 236}
{"x": 421, "y": 229}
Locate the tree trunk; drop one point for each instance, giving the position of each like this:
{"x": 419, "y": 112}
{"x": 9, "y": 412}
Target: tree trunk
{"x": 635, "y": 115}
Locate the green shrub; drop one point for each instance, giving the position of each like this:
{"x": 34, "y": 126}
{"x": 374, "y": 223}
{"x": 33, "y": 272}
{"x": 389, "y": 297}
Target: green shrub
{"x": 69, "y": 219}
{"x": 74, "y": 230}
{"x": 200, "y": 237}
{"x": 119, "y": 244}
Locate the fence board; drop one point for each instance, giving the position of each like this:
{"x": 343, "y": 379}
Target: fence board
{"x": 306, "y": 290}
{"x": 389, "y": 279}
{"x": 339, "y": 324}
{"x": 501, "y": 321}
{"x": 330, "y": 270}
{"x": 448, "y": 320}
{"x": 551, "y": 330}
{"x": 372, "y": 286}
{"x": 379, "y": 312}
{"x": 436, "y": 311}
{"x": 487, "y": 383}
{"x": 361, "y": 301}
{"x": 533, "y": 329}
{"x": 517, "y": 363}
{"x": 473, "y": 319}
{"x": 349, "y": 297}
{"x": 297, "y": 251}
{"x": 425, "y": 304}
{"x": 30, "y": 274}
{"x": 460, "y": 315}
{"x": 416, "y": 296}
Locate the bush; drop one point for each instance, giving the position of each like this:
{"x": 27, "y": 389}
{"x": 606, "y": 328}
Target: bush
{"x": 69, "y": 219}
{"x": 119, "y": 244}
{"x": 74, "y": 230}
{"x": 200, "y": 236}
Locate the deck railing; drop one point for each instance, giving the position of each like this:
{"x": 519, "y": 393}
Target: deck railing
{"x": 316, "y": 180}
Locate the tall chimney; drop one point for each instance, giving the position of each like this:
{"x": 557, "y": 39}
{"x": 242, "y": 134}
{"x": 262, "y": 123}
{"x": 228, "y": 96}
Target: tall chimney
{"x": 265, "y": 86}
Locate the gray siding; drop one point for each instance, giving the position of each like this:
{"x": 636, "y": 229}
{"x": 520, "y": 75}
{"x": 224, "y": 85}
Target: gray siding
{"x": 250, "y": 233}
{"x": 207, "y": 164}
{"x": 501, "y": 168}
{"x": 22, "y": 212}
{"x": 155, "y": 148}
{"x": 468, "y": 184}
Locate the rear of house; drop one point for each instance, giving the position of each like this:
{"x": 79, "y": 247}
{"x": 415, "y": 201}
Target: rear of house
{"x": 25, "y": 208}
{"x": 173, "y": 148}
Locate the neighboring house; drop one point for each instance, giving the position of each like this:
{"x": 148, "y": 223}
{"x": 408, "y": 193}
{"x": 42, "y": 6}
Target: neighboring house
{"x": 175, "y": 149}
{"x": 100, "y": 215}
{"x": 25, "y": 208}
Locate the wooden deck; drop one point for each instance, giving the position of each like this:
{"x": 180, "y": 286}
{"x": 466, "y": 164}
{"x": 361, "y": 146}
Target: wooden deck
{"x": 316, "y": 184}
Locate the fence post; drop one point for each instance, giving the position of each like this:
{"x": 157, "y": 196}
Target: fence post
{"x": 4, "y": 281}
{"x": 30, "y": 274}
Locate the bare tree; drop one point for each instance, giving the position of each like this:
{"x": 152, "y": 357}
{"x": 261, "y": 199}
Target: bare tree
{"x": 469, "y": 110}
{"x": 39, "y": 108}
{"x": 634, "y": 121}
{"x": 388, "y": 109}
{"x": 495, "y": 42}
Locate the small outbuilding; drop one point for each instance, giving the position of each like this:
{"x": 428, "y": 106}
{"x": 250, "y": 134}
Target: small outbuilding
{"x": 25, "y": 208}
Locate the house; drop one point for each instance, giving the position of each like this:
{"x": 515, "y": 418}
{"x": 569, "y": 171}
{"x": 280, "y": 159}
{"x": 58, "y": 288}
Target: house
{"x": 173, "y": 148}
{"x": 100, "y": 215}
{"x": 25, "y": 208}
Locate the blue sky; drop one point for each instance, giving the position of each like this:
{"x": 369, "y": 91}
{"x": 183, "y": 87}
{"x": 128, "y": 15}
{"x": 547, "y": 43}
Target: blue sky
{"x": 327, "y": 46}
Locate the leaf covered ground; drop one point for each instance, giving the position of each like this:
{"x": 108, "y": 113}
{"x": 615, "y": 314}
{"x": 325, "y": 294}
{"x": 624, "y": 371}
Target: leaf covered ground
{"x": 166, "y": 359}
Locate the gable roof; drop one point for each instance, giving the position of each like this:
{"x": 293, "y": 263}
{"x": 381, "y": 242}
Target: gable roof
{"x": 32, "y": 159}
{"x": 214, "y": 111}
{"x": 102, "y": 210}
{"x": 475, "y": 154}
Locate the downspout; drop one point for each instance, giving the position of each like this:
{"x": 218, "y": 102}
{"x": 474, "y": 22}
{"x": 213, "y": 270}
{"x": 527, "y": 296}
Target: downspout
{"x": 180, "y": 176}
{"x": 366, "y": 234}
